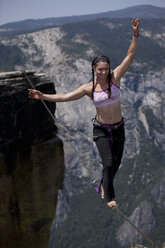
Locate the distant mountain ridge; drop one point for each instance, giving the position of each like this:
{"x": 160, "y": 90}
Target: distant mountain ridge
{"x": 142, "y": 11}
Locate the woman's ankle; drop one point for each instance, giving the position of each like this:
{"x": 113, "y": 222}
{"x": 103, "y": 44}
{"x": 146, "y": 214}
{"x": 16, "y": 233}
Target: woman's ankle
{"x": 102, "y": 192}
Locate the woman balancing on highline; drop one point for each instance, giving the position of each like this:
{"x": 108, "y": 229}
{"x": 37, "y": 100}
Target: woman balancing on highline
{"x": 108, "y": 125}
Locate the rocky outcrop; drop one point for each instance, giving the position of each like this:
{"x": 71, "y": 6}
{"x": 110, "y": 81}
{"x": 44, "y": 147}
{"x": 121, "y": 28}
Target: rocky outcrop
{"x": 31, "y": 162}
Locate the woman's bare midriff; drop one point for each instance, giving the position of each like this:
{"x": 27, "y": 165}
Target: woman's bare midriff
{"x": 109, "y": 114}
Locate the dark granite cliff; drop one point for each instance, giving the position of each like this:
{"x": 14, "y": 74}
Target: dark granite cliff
{"x": 31, "y": 163}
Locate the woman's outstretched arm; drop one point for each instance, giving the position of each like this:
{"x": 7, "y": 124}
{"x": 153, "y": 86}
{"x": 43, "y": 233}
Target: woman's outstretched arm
{"x": 72, "y": 96}
{"x": 124, "y": 66}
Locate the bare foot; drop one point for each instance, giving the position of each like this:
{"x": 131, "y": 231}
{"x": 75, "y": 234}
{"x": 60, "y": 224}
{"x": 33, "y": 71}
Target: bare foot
{"x": 102, "y": 192}
{"x": 112, "y": 204}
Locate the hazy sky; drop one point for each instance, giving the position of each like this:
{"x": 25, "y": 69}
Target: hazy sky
{"x": 16, "y": 10}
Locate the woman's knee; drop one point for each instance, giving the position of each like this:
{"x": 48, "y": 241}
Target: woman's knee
{"x": 107, "y": 163}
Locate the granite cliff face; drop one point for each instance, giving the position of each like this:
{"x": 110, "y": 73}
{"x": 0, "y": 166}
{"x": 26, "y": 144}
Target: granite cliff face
{"x": 31, "y": 162}
{"x": 142, "y": 99}
{"x": 143, "y": 218}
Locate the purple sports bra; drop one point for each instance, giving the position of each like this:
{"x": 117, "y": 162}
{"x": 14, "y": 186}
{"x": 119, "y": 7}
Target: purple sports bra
{"x": 101, "y": 98}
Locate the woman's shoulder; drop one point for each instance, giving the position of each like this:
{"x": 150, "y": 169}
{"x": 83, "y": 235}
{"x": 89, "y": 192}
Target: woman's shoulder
{"x": 88, "y": 85}
{"x": 88, "y": 88}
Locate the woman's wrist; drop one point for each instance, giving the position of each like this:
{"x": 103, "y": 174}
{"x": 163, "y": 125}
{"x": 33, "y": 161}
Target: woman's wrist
{"x": 43, "y": 97}
{"x": 136, "y": 34}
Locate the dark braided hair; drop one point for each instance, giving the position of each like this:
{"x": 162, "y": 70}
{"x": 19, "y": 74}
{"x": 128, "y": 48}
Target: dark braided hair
{"x": 101, "y": 58}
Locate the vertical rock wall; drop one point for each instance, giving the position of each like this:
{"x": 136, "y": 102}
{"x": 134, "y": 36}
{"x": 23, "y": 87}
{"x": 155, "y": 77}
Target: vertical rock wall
{"x": 31, "y": 163}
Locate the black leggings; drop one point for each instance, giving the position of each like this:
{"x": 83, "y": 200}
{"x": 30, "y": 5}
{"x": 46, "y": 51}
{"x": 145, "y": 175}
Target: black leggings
{"x": 110, "y": 146}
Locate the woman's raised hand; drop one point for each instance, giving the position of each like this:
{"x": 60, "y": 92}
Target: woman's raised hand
{"x": 135, "y": 25}
{"x": 35, "y": 94}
